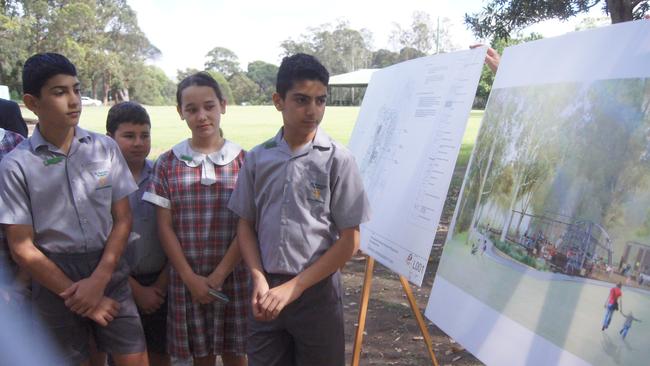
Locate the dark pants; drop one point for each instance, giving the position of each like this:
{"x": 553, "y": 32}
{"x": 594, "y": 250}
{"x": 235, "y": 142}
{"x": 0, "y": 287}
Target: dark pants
{"x": 72, "y": 332}
{"x": 309, "y": 331}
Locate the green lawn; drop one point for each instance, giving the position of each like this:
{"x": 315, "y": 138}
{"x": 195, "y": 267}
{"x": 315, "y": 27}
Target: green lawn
{"x": 248, "y": 126}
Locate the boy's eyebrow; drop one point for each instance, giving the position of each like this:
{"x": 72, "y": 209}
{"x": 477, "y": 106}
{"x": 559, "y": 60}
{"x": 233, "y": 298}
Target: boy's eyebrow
{"x": 308, "y": 96}
{"x": 65, "y": 86}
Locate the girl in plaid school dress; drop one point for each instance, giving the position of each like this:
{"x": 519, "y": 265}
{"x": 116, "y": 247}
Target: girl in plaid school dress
{"x": 191, "y": 185}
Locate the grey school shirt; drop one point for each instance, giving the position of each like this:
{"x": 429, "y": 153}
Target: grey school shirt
{"x": 299, "y": 201}
{"x": 144, "y": 253}
{"x": 66, "y": 199}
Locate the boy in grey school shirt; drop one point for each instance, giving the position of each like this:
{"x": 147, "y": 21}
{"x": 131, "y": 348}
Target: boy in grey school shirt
{"x": 67, "y": 218}
{"x": 128, "y": 123}
{"x": 300, "y": 200}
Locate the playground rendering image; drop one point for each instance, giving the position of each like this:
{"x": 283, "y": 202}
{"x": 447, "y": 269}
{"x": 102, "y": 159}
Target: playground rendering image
{"x": 553, "y": 214}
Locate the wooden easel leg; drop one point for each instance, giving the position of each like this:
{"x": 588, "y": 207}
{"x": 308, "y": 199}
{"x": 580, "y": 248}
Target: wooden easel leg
{"x": 363, "y": 310}
{"x": 419, "y": 319}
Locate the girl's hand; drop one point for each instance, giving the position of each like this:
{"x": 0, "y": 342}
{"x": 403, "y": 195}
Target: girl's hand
{"x": 215, "y": 280}
{"x": 199, "y": 287}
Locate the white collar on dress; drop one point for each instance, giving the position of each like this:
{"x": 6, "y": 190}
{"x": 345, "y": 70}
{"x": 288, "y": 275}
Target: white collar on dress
{"x": 2, "y": 133}
{"x": 224, "y": 156}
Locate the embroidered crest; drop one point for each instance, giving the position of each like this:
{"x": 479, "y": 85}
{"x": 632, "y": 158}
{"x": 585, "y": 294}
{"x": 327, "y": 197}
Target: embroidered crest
{"x": 53, "y": 161}
{"x": 270, "y": 144}
{"x": 316, "y": 193}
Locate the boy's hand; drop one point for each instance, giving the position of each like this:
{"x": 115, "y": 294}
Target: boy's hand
{"x": 83, "y": 295}
{"x": 260, "y": 289}
{"x": 278, "y": 297}
{"x": 492, "y": 57}
{"x": 104, "y": 312}
{"x": 199, "y": 287}
{"x": 148, "y": 298}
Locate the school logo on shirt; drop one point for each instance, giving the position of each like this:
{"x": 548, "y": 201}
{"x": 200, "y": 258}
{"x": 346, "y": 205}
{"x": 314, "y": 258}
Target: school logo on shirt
{"x": 102, "y": 178}
{"x": 53, "y": 161}
{"x": 269, "y": 144}
{"x": 316, "y": 193}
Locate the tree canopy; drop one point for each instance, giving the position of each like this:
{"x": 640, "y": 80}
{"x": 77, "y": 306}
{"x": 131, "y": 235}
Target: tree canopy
{"x": 423, "y": 35}
{"x": 500, "y": 18}
{"x": 222, "y": 60}
{"x": 101, "y": 37}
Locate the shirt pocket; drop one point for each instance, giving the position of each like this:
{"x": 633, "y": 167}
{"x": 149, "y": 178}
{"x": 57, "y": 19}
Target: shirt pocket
{"x": 97, "y": 176}
{"x": 316, "y": 189}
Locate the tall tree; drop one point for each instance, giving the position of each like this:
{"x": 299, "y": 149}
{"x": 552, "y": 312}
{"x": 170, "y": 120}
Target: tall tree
{"x": 182, "y": 74}
{"x": 222, "y": 60}
{"x": 224, "y": 85}
{"x": 423, "y": 35}
{"x": 264, "y": 75}
{"x": 101, "y": 37}
{"x": 340, "y": 48}
{"x": 383, "y": 58}
{"x": 501, "y": 18}
{"x": 152, "y": 87}
{"x": 244, "y": 90}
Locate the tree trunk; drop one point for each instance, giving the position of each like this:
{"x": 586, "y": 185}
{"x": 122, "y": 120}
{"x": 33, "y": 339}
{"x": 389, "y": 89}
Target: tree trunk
{"x": 93, "y": 87}
{"x": 524, "y": 209}
{"x": 509, "y": 214}
{"x": 620, "y": 10}
{"x": 123, "y": 94}
{"x": 452, "y": 225}
{"x": 477, "y": 207}
{"x": 106, "y": 86}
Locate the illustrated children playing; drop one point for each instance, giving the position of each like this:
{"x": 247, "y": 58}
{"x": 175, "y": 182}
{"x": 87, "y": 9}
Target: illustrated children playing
{"x": 300, "y": 200}
{"x": 612, "y": 304}
{"x": 129, "y": 125}
{"x": 67, "y": 219}
{"x": 191, "y": 186}
{"x": 629, "y": 318}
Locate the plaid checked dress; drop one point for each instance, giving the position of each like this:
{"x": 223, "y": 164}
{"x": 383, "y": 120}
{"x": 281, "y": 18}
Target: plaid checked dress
{"x": 205, "y": 228}
{"x": 8, "y": 140}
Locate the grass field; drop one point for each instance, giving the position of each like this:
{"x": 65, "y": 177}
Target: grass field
{"x": 249, "y": 126}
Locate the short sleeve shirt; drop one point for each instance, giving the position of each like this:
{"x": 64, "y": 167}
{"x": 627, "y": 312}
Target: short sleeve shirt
{"x": 299, "y": 201}
{"x": 8, "y": 141}
{"x": 144, "y": 254}
{"x": 614, "y": 294}
{"x": 67, "y": 199}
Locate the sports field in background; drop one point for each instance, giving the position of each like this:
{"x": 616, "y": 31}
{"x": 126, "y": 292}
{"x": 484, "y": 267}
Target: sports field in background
{"x": 247, "y": 126}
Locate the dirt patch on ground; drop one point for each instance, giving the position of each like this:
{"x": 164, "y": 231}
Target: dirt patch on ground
{"x": 392, "y": 335}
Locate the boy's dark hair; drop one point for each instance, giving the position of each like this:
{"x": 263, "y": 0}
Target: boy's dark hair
{"x": 131, "y": 112}
{"x": 39, "y": 68}
{"x": 198, "y": 79}
{"x": 299, "y": 67}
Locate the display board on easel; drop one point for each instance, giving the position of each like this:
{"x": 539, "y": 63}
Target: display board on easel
{"x": 406, "y": 141}
{"x": 556, "y": 200}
